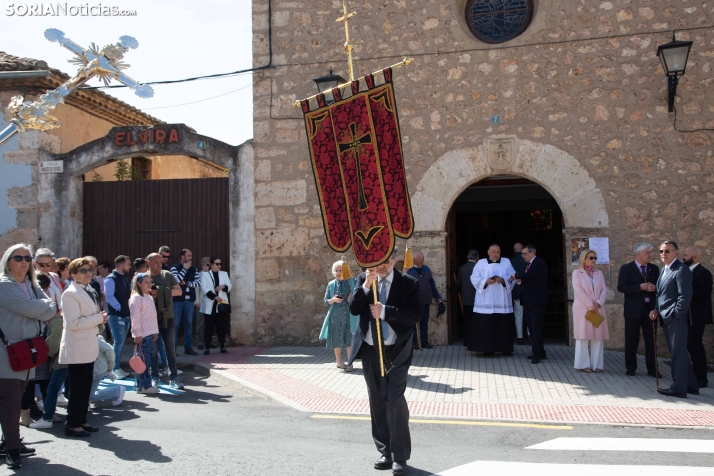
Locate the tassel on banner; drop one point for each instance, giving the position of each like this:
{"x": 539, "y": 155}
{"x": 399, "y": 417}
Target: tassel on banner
{"x": 408, "y": 258}
{"x": 346, "y": 272}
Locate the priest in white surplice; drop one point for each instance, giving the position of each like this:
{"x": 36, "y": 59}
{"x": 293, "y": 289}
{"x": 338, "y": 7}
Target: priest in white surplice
{"x": 492, "y": 320}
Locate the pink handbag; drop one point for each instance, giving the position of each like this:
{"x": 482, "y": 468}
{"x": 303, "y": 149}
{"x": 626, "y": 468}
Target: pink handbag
{"x": 137, "y": 362}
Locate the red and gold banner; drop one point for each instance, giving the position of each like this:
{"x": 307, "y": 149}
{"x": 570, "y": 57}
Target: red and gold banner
{"x": 356, "y": 152}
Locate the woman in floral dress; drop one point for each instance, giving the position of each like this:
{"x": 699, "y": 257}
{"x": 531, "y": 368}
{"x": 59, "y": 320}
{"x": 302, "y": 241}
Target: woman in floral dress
{"x": 336, "y": 329}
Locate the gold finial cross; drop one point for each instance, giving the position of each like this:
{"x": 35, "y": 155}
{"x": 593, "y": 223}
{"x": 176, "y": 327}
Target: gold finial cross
{"x": 348, "y": 46}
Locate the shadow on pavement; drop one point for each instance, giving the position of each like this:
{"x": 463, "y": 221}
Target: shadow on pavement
{"x": 44, "y": 466}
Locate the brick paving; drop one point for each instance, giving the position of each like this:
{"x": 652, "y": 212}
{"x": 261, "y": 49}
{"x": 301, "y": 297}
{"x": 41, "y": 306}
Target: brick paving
{"x": 450, "y": 382}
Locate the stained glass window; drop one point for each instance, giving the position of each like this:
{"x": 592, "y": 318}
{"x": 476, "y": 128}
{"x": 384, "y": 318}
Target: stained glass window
{"x": 497, "y": 21}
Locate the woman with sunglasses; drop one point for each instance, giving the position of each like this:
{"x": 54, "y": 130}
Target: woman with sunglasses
{"x": 83, "y": 321}
{"x": 590, "y": 295}
{"x": 23, "y": 307}
{"x": 200, "y": 321}
{"x": 215, "y": 285}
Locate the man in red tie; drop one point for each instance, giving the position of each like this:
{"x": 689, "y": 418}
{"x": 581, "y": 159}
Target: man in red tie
{"x": 638, "y": 282}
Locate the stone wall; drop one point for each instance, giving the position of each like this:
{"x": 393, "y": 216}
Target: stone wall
{"x": 584, "y": 80}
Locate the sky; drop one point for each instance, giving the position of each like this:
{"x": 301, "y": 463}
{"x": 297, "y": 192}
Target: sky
{"x": 177, "y": 39}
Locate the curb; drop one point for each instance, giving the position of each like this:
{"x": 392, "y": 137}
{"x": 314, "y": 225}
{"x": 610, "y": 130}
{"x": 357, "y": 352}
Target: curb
{"x": 242, "y": 384}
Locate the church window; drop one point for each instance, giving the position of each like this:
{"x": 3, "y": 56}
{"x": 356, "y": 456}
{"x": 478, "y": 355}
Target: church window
{"x": 498, "y": 21}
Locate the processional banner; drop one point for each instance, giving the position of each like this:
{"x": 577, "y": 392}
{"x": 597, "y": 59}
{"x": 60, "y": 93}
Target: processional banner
{"x": 356, "y": 153}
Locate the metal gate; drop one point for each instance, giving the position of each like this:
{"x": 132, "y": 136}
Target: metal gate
{"x": 135, "y": 218}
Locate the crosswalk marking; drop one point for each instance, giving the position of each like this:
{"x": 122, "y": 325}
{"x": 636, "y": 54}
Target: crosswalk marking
{"x": 547, "y": 469}
{"x": 627, "y": 444}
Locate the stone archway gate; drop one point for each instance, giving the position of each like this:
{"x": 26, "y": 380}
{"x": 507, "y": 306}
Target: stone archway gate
{"x": 61, "y": 198}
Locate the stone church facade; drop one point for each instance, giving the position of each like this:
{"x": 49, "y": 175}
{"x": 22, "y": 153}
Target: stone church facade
{"x": 583, "y": 104}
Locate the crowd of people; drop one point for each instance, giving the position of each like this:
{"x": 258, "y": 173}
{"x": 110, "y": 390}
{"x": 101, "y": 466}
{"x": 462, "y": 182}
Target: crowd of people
{"x": 70, "y": 303}
{"x": 500, "y": 295}
{"x": 504, "y": 302}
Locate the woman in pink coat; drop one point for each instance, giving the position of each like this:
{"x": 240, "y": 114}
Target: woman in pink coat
{"x": 590, "y": 295}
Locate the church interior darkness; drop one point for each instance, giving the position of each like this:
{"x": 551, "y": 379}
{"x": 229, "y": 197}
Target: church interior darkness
{"x": 506, "y": 209}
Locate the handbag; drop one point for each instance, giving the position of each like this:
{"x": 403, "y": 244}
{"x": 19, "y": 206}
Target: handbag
{"x": 223, "y": 308}
{"x": 28, "y": 353}
{"x": 137, "y": 363}
{"x": 594, "y": 318}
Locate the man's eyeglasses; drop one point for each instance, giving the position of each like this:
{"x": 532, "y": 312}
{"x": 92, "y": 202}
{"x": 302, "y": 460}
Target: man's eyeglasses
{"x": 19, "y": 258}
{"x": 166, "y": 256}
{"x": 664, "y": 252}
{"x": 85, "y": 270}
{"x": 216, "y": 264}
{"x": 525, "y": 253}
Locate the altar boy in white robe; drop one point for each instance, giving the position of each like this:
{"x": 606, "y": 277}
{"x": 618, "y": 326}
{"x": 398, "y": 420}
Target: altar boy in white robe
{"x": 492, "y": 320}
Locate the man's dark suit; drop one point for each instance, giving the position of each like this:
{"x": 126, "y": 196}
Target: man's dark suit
{"x": 674, "y": 293}
{"x": 637, "y": 313}
{"x": 534, "y": 298}
{"x": 701, "y": 307}
{"x": 468, "y": 295}
{"x": 388, "y": 407}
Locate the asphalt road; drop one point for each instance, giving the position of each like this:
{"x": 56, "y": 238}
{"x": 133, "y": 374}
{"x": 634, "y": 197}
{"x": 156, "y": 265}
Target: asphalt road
{"x": 222, "y": 430}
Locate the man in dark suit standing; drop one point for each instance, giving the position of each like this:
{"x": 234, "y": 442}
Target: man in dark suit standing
{"x": 701, "y": 308}
{"x": 397, "y": 311}
{"x": 534, "y": 297}
{"x": 467, "y": 290}
{"x": 638, "y": 282}
{"x": 674, "y": 294}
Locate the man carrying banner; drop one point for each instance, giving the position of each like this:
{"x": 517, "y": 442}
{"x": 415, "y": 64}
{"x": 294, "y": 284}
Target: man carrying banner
{"x": 397, "y": 311}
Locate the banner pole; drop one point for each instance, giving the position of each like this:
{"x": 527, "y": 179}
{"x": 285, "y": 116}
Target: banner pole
{"x": 380, "y": 350}
{"x": 404, "y": 62}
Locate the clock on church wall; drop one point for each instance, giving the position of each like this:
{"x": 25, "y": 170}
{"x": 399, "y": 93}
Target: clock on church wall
{"x": 497, "y": 21}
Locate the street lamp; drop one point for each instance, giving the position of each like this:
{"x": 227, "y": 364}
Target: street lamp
{"x": 673, "y": 56}
{"x": 325, "y": 84}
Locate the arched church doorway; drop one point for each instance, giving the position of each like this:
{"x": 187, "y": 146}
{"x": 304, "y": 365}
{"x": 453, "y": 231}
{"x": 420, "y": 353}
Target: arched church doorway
{"x": 505, "y": 209}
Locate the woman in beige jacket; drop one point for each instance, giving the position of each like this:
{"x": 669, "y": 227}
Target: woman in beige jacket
{"x": 79, "y": 348}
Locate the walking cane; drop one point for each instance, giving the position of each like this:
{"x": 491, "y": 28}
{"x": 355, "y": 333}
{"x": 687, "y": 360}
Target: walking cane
{"x": 418, "y": 333}
{"x": 654, "y": 333}
{"x": 378, "y": 325}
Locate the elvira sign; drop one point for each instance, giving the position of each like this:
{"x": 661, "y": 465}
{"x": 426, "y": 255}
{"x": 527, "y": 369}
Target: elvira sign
{"x": 143, "y": 136}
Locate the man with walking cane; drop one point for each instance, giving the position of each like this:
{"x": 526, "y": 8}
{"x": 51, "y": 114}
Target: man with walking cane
{"x": 674, "y": 293}
{"x": 395, "y": 311}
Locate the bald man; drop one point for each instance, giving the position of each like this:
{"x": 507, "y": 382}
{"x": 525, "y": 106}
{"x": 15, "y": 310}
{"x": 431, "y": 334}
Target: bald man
{"x": 701, "y": 312}
{"x": 427, "y": 293}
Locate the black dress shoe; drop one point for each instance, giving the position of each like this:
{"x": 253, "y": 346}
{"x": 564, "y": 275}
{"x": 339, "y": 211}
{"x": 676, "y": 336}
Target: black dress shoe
{"x": 13, "y": 459}
{"x": 224, "y": 350}
{"x": 415, "y": 347}
{"x": 71, "y": 432}
{"x": 383, "y": 463}
{"x": 191, "y": 352}
{"x": 668, "y": 393}
{"x": 206, "y": 352}
{"x": 519, "y": 341}
{"x": 651, "y": 374}
{"x": 535, "y": 360}
{"x": 703, "y": 383}
{"x": 399, "y": 467}
{"x": 427, "y": 346}
{"x": 693, "y": 392}
{"x": 90, "y": 428}
{"x": 542, "y": 357}
{"x": 631, "y": 373}
{"x": 24, "y": 450}
{"x": 508, "y": 354}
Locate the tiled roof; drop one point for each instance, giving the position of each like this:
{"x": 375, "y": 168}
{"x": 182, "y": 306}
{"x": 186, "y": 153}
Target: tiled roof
{"x": 92, "y": 101}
